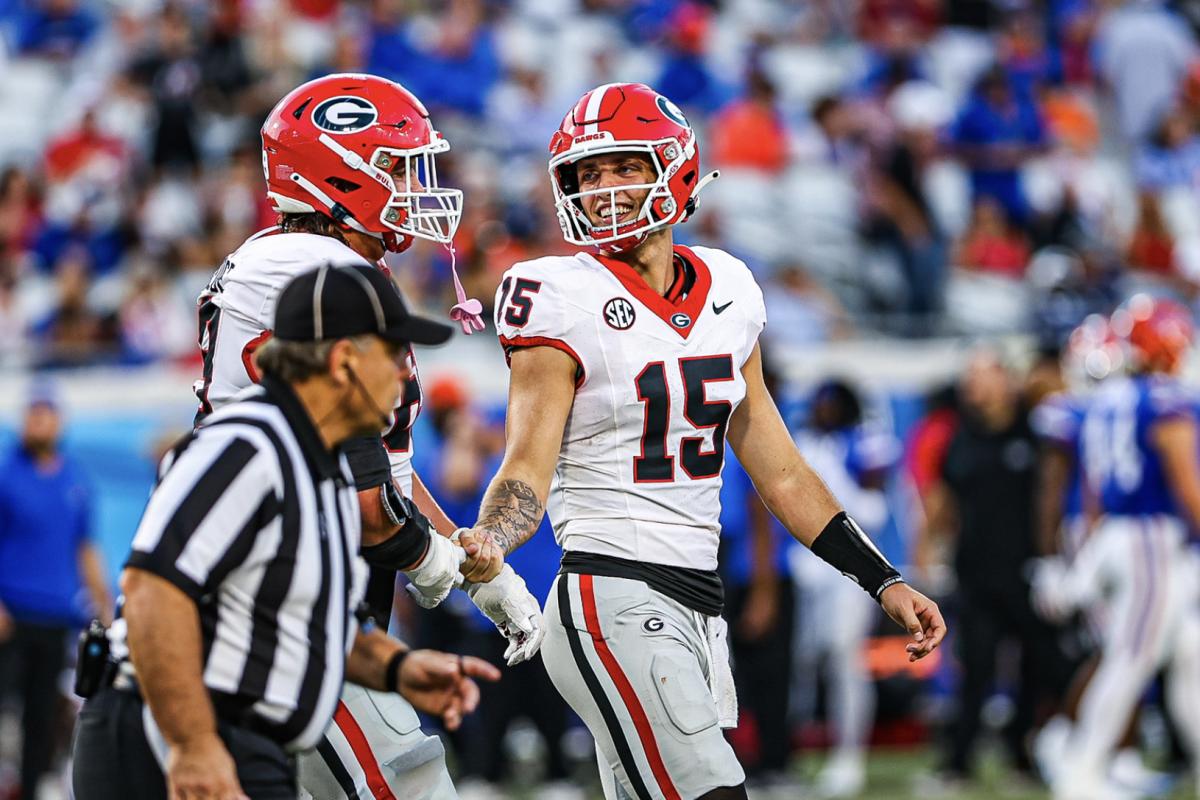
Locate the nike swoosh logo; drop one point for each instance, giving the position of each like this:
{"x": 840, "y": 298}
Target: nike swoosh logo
{"x": 718, "y": 309}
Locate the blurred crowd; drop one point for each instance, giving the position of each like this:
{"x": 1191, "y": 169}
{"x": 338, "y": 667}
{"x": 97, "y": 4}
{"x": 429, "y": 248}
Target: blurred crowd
{"x": 906, "y": 168}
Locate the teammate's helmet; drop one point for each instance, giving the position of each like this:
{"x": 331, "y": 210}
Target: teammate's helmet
{"x": 621, "y": 118}
{"x": 1093, "y": 352}
{"x": 1159, "y": 332}
{"x": 333, "y": 144}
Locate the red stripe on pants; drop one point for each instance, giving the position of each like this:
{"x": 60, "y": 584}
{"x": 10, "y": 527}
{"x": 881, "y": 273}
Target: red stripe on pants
{"x": 362, "y": 751}
{"x": 625, "y": 688}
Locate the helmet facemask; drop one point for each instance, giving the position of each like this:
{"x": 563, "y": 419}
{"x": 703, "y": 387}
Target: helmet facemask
{"x": 419, "y": 209}
{"x": 659, "y": 208}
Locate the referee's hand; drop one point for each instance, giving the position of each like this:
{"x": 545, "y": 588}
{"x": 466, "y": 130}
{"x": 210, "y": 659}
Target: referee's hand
{"x": 440, "y": 683}
{"x": 202, "y": 769}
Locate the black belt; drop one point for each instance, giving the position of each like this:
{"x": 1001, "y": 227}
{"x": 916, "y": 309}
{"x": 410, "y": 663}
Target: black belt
{"x": 698, "y": 589}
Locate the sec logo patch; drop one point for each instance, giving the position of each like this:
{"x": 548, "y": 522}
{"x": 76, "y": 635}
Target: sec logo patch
{"x": 619, "y": 314}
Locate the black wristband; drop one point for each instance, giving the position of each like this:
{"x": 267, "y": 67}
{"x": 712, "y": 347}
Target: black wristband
{"x": 391, "y": 677}
{"x": 843, "y": 545}
{"x": 405, "y": 548}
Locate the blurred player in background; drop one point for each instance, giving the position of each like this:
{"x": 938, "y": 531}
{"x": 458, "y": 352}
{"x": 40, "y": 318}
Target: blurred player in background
{"x": 629, "y": 366}
{"x": 1138, "y": 455}
{"x": 1063, "y": 583}
{"x": 350, "y": 165}
{"x": 835, "y": 617}
{"x": 760, "y": 607}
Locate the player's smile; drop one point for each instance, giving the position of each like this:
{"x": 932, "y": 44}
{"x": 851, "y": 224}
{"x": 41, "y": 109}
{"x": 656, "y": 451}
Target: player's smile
{"x": 611, "y": 172}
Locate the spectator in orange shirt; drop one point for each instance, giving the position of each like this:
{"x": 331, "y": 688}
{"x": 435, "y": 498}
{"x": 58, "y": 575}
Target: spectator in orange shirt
{"x": 749, "y": 133}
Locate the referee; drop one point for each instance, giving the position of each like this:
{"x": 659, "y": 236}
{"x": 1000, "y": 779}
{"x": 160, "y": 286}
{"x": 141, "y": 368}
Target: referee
{"x": 240, "y": 594}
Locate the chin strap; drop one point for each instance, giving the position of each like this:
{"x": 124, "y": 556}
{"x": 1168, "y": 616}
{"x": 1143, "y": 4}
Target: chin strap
{"x": 467, "y": 312}
{"x": 694, "y": 200}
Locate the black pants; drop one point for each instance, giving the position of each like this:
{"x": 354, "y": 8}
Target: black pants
{"x": 991, "y": 614}
{"x": 32, "y": 661}
{"x": 113, "y": 760}
{"x": 763, "y": 675}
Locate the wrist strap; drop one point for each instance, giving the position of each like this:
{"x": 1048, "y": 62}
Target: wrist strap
{"x": 393, "y": 504}
{"x": 391, "y": 677}
{"x": 406, "y": 547}
{"x": 844, "y": 545}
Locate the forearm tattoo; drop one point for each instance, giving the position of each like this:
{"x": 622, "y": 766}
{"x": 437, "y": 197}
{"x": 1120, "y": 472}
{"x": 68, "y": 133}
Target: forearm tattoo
{"x": 510, "y": 513}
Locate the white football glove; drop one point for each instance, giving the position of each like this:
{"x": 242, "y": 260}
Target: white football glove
{"x": 1054, "y": 593}
{"x": 431, "y": 581}
{"x": 505, "y": 601}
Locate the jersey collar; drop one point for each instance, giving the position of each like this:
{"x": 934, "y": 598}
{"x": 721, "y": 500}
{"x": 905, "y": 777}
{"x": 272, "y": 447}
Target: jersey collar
{"x": 670, "y": 313}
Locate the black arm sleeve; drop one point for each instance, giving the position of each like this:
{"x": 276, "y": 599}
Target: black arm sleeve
{"x": 368, "y": 461}
{"x": 844, "y": 545}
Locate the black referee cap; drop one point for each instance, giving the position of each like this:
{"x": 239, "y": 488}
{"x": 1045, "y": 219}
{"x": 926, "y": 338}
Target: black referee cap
{"x": 335, "y": 302}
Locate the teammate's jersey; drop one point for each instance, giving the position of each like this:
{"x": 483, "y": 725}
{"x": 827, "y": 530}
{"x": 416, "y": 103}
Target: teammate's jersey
{"x": 237, "y": 310}
{"x": 1120, "y": 463}
{"x": 1058, "y": 419}
{"x": 639, "y": 472}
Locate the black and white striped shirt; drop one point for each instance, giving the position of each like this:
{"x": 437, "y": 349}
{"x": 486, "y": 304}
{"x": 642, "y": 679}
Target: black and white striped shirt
{"x": 258, "y": 523}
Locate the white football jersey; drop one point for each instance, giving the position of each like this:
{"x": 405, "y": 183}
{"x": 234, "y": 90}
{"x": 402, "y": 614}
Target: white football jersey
{"x": 237, "y": 310}
{"x": 639, "y": 472}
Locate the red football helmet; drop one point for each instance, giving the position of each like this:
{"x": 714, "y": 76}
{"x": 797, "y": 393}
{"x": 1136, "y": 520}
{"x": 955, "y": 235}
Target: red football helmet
{"x": 1159, "y": 332}
{"x": 1093, "y": 353}
{"x": 621, "y": 118}
{"x": 339, "y": 144}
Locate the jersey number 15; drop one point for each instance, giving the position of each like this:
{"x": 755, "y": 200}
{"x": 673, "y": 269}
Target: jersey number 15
{"x": 655, "y": 464}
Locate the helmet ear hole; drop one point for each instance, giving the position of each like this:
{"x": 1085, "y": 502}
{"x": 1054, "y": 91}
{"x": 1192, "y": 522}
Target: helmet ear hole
{"x": 342, "y": 185}
{"x": 568, "y": 178}
{"x": 689, "y": 177}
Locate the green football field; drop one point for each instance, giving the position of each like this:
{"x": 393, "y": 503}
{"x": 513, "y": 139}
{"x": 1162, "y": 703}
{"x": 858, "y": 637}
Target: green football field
{"x": 903, "y": 775}
{"x": 900, "y": 774}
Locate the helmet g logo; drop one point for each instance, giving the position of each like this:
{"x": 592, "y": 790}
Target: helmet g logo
{"x": 671, "y": 111}
{"x": 619, "y": 314}
{"x": 346, "y": 114}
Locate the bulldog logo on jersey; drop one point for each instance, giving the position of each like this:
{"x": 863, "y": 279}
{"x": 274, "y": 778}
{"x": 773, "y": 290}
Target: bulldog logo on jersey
{"x": 681, "y": 320}
{"x": 345, "y": 114}
{"x": 619, "y": 314}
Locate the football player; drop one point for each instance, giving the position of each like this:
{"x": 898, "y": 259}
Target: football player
{"x": 350, "y": 165}
{"x": 631, "y": 364}
{"x": 853, "y": 457}
{"x": 1137, "y": 453}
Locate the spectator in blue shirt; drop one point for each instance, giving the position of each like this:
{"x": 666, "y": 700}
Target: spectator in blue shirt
{"x": 55, "y": 29}
{"x": 47, "y": 557}
{"x": 455, "y": 69}
{"x": 995, "y": 134}
{"x": 1171, "y": 158}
